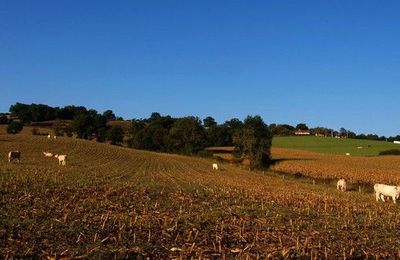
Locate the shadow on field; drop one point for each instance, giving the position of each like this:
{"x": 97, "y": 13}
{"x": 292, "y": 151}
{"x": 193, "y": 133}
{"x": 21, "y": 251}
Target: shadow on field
{"x": 276, "y": 161}
{"x": 351, "y": 186}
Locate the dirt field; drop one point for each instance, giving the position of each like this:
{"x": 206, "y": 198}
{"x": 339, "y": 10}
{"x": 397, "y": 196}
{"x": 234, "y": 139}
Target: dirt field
{"x": 114, "y": 202}
{"x": 371, "y": 169}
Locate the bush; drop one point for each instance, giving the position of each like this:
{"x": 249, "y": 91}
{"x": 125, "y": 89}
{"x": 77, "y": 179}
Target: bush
{"x": 115, "y": 134}
{"x": 14, "y": 127}
{"x": 3, "y": 120}
{"x": 390, "y": 152}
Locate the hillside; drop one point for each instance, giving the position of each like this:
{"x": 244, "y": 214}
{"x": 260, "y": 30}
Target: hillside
{"x": 114, "y": 202}
{"x": 357, "y": 147}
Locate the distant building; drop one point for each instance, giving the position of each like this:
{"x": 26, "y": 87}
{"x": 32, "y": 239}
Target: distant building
{"x": 302, "y": 132}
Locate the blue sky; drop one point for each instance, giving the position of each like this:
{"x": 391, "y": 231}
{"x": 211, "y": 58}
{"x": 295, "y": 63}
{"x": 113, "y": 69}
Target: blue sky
{"x": 325, "y": 63}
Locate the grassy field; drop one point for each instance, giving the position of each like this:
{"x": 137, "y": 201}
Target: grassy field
{"x": 334, "y": 145}
{"x": 114, "y": 202}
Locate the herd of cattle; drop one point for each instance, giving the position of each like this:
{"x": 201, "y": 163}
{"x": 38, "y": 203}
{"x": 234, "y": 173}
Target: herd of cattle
{"x": 16, "y": 156}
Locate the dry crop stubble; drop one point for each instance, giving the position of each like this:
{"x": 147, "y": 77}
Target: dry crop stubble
{"x": 373, "y": 169}
{"x": 116, "y": 202}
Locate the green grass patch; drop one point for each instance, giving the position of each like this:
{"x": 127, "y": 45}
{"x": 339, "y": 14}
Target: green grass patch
{"x": 333, "y": 145}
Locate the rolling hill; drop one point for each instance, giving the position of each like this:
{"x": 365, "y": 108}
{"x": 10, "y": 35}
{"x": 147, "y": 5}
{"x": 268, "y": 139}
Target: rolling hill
{"x": 358, "y": 147}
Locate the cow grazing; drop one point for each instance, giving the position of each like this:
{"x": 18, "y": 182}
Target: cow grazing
{"x": 62, "y": 159}
{"x": 382, "y": 190}
{"x": 55, "y": 137}
{"x": 47, "y": 154}
{"x": 215, "y": 166}
{"x": 341, "y": 185}
{"x": 14, "y": 156}
{"x": 48, "y": 136}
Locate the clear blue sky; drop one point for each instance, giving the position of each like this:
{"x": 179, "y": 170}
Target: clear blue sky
{"x": 325, "y": 63}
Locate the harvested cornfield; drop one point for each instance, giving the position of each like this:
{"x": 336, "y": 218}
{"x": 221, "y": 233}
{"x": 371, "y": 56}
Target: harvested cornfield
{"x": 372, "y": 169}
{"x": 114, "y": 202}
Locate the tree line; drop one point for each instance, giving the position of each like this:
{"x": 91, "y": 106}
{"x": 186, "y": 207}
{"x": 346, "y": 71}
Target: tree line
{"x": 190, "y": 135}
{"x": 187, "y": 135}
{"x": 288, "y": 130}
{"x": 68, "y": 120}
{"x": 40, "y": 112}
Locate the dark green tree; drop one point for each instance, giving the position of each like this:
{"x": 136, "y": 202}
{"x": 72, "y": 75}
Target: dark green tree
{"x": 137, "y": 126}
{"x": 109, "y": 114}
{"x": 83, "y": 125}
{"x": 302, "y": 126}
{"x": 115, "y": 135}
{"x": 254, "y": 140}
{"x": 151, "y": 134}
{"x": 231, "y": 128}
{"x": 187, "y": 136}
{"x": 3, "y": 119}
{"x": 218, "y": 135}
{"x": 14, "y": 127}
{"x": 281, "y": 130}
{"x": 209, "y": 122}
{"x": 21, "y": 111}
{"x": 154, "y": 116}
{"x": 320, "y": 131}
{"x": 69, "y": 112}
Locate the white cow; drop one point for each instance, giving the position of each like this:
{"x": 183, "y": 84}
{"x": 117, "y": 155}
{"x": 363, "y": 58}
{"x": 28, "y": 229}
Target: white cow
{"x": 215, "y": 166}
{"x": 62, "y": 159}
{"x": 382, "y": 190}
{"x": 48, "y": 136}
{"x": 14, "y": 156}
{"x": 47, "y": 154}
{"x": 341, "y": 185}
{"x": 55, "y": 137}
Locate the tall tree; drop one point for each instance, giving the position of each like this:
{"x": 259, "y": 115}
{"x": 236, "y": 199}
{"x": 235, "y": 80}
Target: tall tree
{"x": 302, "y": 126}
{"x": 109, "y": 114}
{"x": 115, "y": 135}
{"x": 209, "y": 122}
{"x": 187, "y": 136}
{"x": 22, "y": 111}
{"x": 254, "y": 140}
{"x": 83, "y": 125}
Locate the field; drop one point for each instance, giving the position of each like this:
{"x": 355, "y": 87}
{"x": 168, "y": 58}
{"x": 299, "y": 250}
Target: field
{"x": 115, "y": 202}
{"x": 334, "y": 145}
{"x": 369, "y": 170}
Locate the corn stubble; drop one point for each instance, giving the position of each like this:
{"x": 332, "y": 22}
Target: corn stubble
{"x": 112, "y": 202}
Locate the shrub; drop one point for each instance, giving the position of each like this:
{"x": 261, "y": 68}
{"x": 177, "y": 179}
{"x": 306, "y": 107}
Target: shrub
{"x": 115, "y": 135}
{"x": 390, "y": 152}
{"x": 14, "y": 127}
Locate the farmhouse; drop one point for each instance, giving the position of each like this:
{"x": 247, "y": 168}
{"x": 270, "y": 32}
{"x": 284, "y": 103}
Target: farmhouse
{"x": 302, "y": 132}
